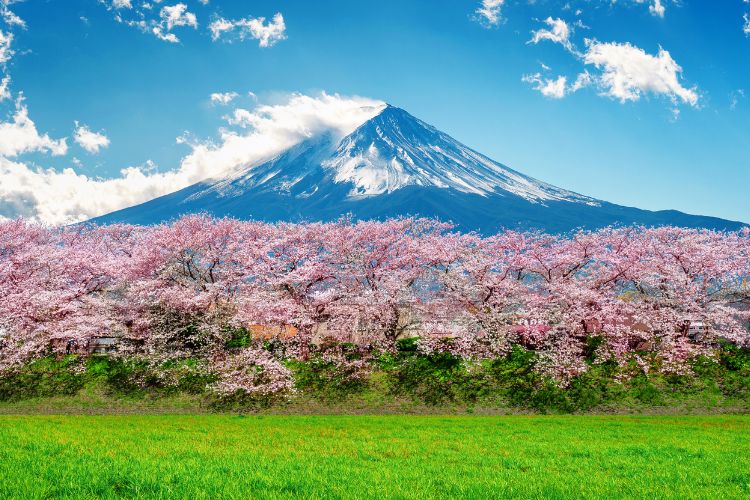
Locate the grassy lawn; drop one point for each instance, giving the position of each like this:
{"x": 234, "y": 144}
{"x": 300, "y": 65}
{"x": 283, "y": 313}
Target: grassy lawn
{"x": 208, "y": 456}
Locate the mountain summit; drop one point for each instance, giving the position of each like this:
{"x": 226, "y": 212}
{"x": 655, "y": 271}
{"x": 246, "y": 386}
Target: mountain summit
{"x": 396, "y": 165}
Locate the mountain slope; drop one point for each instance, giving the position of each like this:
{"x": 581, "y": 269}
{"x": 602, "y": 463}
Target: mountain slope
{"x": 392, "y": 165}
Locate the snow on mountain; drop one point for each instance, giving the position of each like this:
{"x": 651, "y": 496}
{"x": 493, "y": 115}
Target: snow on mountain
{"x": 395, "y": 164}
{"x": 394, "y": 150}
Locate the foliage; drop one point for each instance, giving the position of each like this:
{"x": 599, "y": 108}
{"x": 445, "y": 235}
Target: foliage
{"x": 342, "y": 377}
{"x": 233, "y": 302}
{"x": 251, "y": 372}
{"x": 44, "y": 377}
{"x": 333, "y": 372}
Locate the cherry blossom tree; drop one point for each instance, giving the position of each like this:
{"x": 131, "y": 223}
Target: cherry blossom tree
{"x": 654, "y": 297}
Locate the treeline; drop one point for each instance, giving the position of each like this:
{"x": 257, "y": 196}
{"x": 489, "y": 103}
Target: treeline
{"x": 245, "y": 301}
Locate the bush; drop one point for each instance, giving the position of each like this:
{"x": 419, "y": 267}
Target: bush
{"x": 120, "y": 376}
{"x": 432, "y": 379}
{"x": 44, "y": 377}
{"x": 735, "y": 364}
{"x": 336, "y": 373}
{"x": 333, "y": 373}
{"x": 237, "y": 338}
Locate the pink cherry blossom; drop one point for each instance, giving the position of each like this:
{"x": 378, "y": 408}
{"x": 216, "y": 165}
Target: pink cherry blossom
{"x": 178, "y": 290}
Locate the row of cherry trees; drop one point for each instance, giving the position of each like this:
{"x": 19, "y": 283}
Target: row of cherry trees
{"x": 178, "y": 290}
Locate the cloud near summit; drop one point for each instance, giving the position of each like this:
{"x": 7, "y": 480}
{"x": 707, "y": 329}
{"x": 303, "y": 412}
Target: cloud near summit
{"x": 62, "y": 197}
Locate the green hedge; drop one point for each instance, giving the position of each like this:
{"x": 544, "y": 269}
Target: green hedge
{"x": 407, "y": 375}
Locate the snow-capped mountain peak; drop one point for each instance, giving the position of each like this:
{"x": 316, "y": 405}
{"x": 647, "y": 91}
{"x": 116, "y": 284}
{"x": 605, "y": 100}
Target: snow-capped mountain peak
{"x": 394, "y": 150}
{"x": 394, "y": 165}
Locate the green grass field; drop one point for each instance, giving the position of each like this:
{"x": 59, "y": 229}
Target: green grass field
{"x": 387, "y": 456}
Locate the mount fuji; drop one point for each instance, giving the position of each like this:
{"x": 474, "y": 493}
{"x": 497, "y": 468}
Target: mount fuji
{"x": 396, "y": 165}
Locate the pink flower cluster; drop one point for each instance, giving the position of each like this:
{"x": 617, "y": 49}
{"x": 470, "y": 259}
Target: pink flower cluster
{"x": 252, "y": 371}
{"x": 652, "y": 297}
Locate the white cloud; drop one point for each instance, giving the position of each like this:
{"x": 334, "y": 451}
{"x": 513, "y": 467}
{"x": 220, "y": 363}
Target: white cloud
{"x": 628, "y": 72}
{"x": 553, "y": 88}
{"x": 267, "y": 34}
{"x": 177, "y": 15}
{"x": 5, "y": 51}
{"x": 219, "y": 26}
{"x": 89, "y": 140}
{"x": 583, "y": 80}
{"x": 620, "y": 70}
{"x": 746, "y": 26}
{"x": 656, "y": 7}
{"x": 557, "y": 88}
{"x": 142, "y": 17}
{"x": 167, "y": 37}
{"x": 5, "y": 88}
{"x": 489, "y": 12}
{"x": 171, "y": 17}
{"x": 274, "y": 128}
{"x": 10, "y": 18}
{"x": 60, "y": 197}
{"x": 11, "y": 21}
{"x": 223, "y": 98}
{"x": 559, "y": 32}
{"x": 21, "y": 136}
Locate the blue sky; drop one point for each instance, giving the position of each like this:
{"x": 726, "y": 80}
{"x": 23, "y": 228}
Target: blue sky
{"x": 638, "y": 132}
